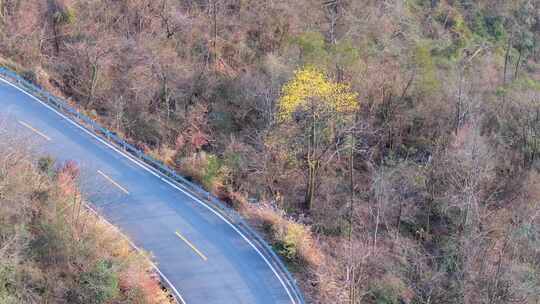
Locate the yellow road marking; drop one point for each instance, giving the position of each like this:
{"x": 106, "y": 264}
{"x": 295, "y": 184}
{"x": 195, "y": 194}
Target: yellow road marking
{"x": 34, "y": 130}
{"x": 192, "y": 246}
{"x": 113, "y": 182}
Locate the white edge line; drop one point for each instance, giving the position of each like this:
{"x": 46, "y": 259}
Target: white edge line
{"x": 166, "y": 181}
{"x": 137, "y": 249}
{"x": 238, "y": 231}
{"x": 90, "y": 208}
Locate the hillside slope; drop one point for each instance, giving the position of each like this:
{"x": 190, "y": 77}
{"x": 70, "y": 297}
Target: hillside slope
{"x": 388, "y": 149}
{"x": 52, "y": 250}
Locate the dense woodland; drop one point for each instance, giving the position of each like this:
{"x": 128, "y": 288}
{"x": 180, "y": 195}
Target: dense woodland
{"x": 388, "y": 149}
{"x": 52, "y": 249}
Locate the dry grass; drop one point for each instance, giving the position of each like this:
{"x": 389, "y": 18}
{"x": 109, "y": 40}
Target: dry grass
{"x": 295, "y": 240}
{"x": 136, "y": 275}
{"x": 49, "y": 242}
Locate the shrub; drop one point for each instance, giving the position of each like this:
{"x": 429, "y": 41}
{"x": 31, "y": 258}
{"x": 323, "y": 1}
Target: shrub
{"x": 211, "y": 172}
{"x": 57, "y": 252}
{"x": 29, "y": 75}
{"x": 147, "y": 131}
{"x": 46, "y": 165}
{"x": 205, "y": 168}
{"x": 289, "y": 243}
{"x": 65, "y": 16}
{"x": 422, "y": 58}
{"x": 313, "y": 47}
{"x": 489, "y": 27}
{"x": 388, "y": 290}
{"x": 7, "y": 274}
{"x": 96, "y": 286}
{"x": 291, "y": 240}
{"x": 101, "y": 282}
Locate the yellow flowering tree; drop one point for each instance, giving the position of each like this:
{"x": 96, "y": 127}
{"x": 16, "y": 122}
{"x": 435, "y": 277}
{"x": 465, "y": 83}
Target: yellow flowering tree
{"x": 318, "y": 106}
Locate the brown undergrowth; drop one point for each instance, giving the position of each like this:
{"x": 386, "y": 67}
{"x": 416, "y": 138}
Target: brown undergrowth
{"x": 53, "y": 249}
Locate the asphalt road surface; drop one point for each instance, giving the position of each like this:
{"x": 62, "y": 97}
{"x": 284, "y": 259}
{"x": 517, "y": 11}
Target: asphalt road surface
{"x": 197, "y": 251}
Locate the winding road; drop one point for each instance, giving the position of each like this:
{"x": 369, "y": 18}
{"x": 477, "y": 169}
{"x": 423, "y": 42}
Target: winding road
{"x": 198, "y": 252}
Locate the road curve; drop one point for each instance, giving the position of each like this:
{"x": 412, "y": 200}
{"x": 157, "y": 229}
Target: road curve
{"x": 205, "y": 258}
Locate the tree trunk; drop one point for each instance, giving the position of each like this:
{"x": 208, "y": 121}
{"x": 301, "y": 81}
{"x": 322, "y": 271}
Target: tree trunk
{"x": 459, "y": 101}
{"x": 516, "y": 73}
{"x": 332, "y": 17}
{"x": 352, "y": 286}
{"x": 93, "y": 84}
{"x": 214, "y": 40}
{"x": 56, "y": 38}
{"x": 507, "y": 58}
{"x": 312, "y": 164}
{"x": 310, "y": 192}
{"x": 2, "y": 10}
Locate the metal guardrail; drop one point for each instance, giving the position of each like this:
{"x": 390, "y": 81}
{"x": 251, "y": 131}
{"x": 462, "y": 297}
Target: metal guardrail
{"x": 170, "y": 174}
